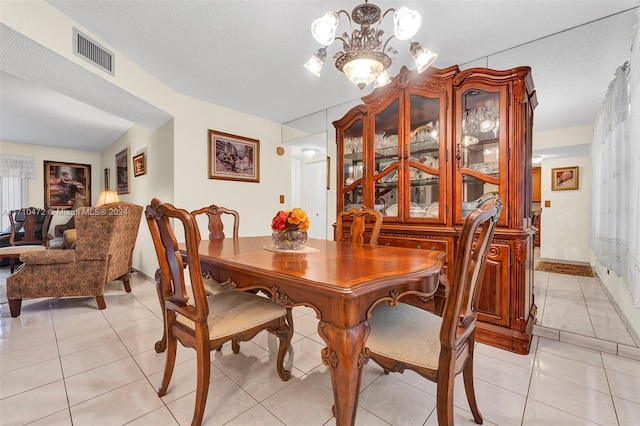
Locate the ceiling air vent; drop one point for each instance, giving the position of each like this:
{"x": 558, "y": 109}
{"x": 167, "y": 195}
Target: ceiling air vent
{"x": 92, "y": 52}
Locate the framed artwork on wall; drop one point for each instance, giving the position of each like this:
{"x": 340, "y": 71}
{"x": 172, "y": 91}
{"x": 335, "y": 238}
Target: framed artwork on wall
{"x": 64, "y": 183}
{"x": 564, "y": 178}
{"x": 139, "y": 165}
{"x": 122, "y": 172}
{"x": 107, "y": 178}
{"x": 233, "y": 157}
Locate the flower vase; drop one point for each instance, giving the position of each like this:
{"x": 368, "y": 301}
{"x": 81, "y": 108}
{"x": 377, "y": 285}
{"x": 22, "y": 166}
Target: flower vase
{"x": 289, "y": 240}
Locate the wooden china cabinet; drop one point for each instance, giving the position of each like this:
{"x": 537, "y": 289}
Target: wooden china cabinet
{"x": 426, "y": 150}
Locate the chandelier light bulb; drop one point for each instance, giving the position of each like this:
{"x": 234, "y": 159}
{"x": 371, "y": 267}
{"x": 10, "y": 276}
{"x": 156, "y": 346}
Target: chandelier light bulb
{"x": 406, "y": 22}
{"x": 324, "y": 29}
{"x": 362, "y": 71}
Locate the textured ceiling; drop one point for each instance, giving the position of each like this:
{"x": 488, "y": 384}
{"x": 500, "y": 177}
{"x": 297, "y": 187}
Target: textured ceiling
{"x": 248, "y": 55}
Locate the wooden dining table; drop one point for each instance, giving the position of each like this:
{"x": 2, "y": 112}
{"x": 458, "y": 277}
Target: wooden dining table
{"x": 341, "y": 281}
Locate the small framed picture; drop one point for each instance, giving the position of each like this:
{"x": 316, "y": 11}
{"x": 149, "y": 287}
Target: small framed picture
{"x": 564, "y": 178}
{"x": 233, "y": 157}
{"x": 107, "y": 178}
{"x": 139, "y": 165}
{"x": 122, "y": 172}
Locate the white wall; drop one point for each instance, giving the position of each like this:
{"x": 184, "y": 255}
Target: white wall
{"x": 157, "y": 182}
{"x": 256, "y": 203}
{"x": 565, "y": 225}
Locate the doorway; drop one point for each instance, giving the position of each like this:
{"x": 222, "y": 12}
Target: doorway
{"x": 316, "y": 199}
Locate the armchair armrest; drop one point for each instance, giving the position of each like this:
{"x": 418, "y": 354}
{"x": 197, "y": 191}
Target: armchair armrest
{"x": 48, "y": 257}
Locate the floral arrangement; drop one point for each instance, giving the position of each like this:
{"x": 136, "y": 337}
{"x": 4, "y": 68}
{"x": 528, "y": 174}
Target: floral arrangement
{"x": 290, "y": 228}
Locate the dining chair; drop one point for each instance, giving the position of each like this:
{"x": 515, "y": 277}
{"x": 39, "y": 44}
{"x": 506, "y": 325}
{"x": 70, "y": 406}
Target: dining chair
{"x": 404, "y": 337}
{"x": 358, "y": 218}
{"x": 201, "y": 321}
{"x": 215, "y": 224}
{"x": 28, "y": 232}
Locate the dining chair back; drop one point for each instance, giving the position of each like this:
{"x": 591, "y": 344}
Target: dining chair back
{"x": 28, "y": 231}
{"x": 405, "y": 337}
{"x": 215, "y": 223}
{"x": 199, "y": 320}
{"x": 357, "y": 218}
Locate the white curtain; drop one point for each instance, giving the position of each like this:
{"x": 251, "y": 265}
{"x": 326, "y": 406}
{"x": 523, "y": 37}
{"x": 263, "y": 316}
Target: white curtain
{"x": 14, "y": 174}
{"x": 633, "y": 255}
{"x": 610, "y": 165}
{"x": 17, "y": 166}
{"x": 615, "y": 154}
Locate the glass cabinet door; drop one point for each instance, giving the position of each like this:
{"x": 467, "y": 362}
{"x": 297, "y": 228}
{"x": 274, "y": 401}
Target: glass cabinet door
{"x": 353, "y": 166}
{"x": 479, "y": 157}
{"x": 424, "y": 158}
{"x": 386, "y": 161}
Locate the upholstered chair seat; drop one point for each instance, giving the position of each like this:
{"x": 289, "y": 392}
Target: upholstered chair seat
{"x": 386, "y": 339}
{"x": 232, "y": 312}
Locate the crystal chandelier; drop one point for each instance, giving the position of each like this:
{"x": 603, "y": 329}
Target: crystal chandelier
{"x": 364, "y": 57}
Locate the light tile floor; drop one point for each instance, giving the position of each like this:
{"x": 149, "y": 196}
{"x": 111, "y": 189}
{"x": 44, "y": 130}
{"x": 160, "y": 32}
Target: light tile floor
{"x": 64, "y": 362}
{"x": 579, "y": 306}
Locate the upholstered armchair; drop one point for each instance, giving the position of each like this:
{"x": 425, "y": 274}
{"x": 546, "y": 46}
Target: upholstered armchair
{"x": 106, "y": 236}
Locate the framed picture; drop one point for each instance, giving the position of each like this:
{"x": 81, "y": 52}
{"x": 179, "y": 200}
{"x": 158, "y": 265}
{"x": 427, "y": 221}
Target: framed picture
{"x": 139, "y": 165}
{"x": 107, "y": 178}
{"x": 64, "y": 183}
{"x": 233, "y": 157}
{"x": 564, "y": 178}
{"x": 122, "y": 172}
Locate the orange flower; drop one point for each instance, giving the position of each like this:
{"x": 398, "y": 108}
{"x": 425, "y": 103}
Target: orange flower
{"x": 290, "y": 220}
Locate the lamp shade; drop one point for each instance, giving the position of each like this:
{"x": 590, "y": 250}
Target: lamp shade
{"x": 382, "y": 80}
{"x": 406, "y": 23}
{"x": 422, "y": 56}
{"x": 107, "y": 197}
{"x": 324, "y": 29}
{"x": 317, "y": 61}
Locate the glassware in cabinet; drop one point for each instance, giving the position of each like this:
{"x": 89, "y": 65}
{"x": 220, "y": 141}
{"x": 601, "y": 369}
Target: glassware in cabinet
{"x": 478, "y": 153}
{"x": 386, "y": 160}
{"x": 423, "y": 157}
{"x": 352, "y": 173}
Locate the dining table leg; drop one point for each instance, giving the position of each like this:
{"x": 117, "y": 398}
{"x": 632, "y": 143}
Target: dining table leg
{"x": 345, "y": 356}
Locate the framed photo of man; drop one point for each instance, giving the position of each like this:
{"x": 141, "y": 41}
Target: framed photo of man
{"x": 64, "y": 183}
